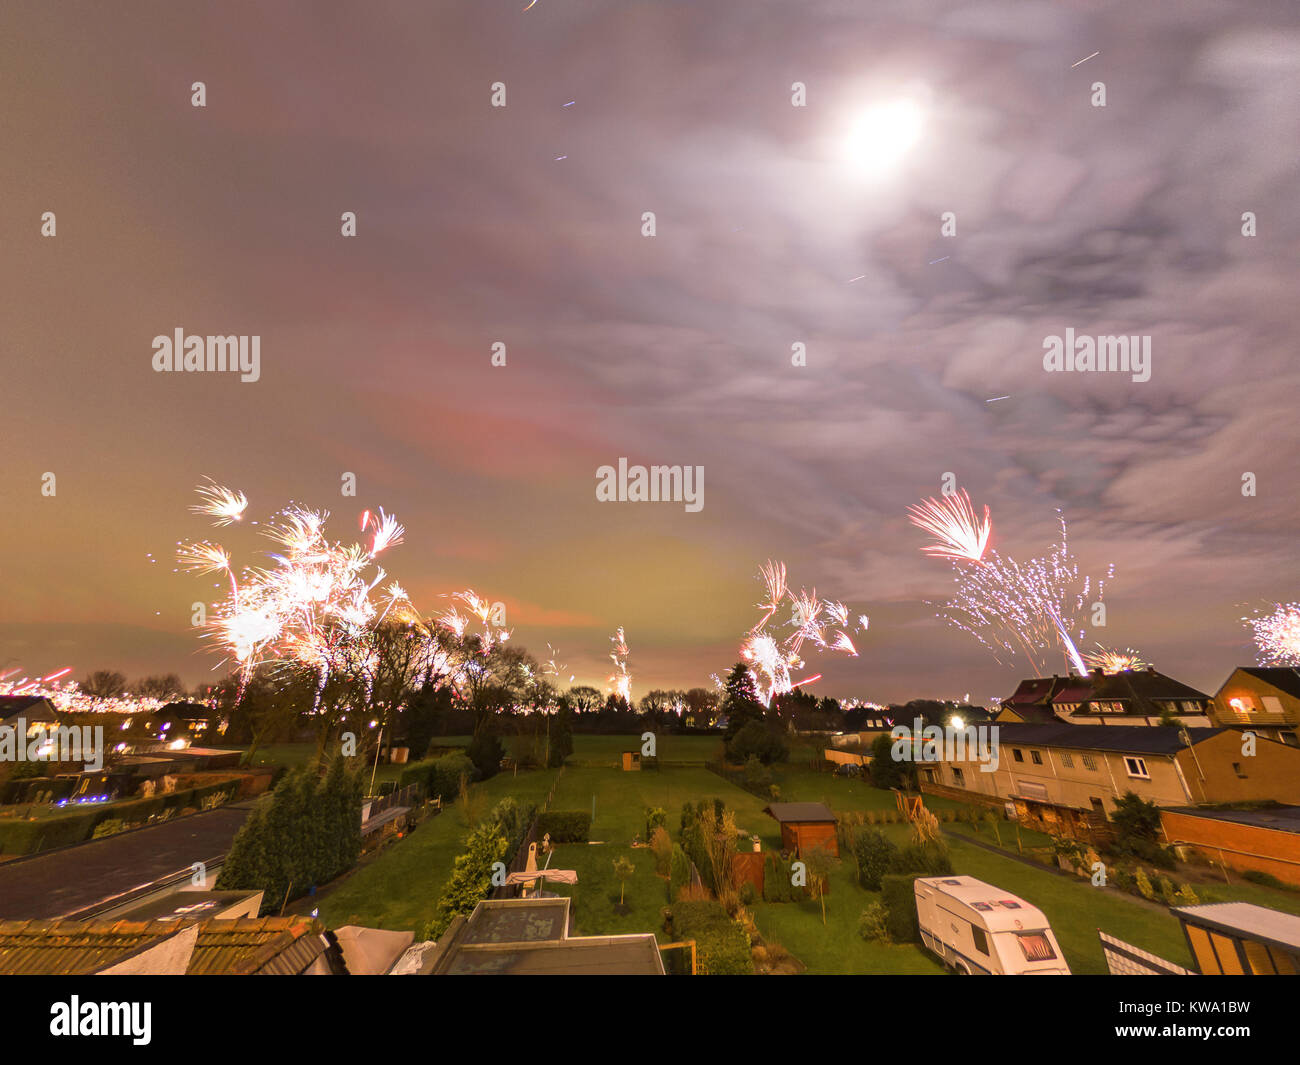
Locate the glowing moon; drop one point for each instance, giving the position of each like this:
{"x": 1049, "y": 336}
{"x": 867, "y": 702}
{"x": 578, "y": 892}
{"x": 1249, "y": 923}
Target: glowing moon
{"x": 883, "y": 134}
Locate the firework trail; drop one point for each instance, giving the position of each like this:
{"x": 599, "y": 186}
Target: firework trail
{"x": 620, "y": 680}
{"x": 1008, "y": 605}
{"x": 1277, "y": 635}
{"x": 771, "y": 658}
{"x": 222, "y": 505}
{"x": 1112, "y": 660}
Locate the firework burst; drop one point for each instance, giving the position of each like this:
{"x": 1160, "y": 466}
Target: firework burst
{"x": 1111, "y": 660}
{"x": 620, "y": 680}
{"x": 1277, "y": 635}
{"x": 1030, "y": 607}
{"x": 773, "y": 659}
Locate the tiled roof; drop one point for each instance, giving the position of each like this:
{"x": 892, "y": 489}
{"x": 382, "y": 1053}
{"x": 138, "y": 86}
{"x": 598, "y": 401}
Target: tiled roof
{"x": 795, "y": 812}
{"x": 74, "y": 948}
{"x": 270, "y": 945}
{"x": 1127, "y": 739}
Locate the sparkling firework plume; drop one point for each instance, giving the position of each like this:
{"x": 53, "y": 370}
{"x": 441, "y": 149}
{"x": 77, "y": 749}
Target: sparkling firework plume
{"x": 772, "y": 658}
{"x": 1277, "y": 635}
{"x": 1111, "y": 660}
{"x": 319, "y": 605}
{"x": 1032, "y": 607}
{"x": 620, "y": 680}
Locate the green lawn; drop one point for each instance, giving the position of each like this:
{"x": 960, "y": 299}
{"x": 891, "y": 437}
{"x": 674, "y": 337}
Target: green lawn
{"x": 400, "y": 887}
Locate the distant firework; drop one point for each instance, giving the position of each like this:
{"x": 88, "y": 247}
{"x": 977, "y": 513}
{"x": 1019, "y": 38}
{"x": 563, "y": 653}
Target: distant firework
{"x": 823, "y": 623}
{"x": 1032, "y": 607}
{"x": 620, "y": 680}
{"x": 1277, "y": 635}
{"x": 1110, "y": 660}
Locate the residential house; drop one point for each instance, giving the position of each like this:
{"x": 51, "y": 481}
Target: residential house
{"x": 1261, "y": 699}
{"x": 1064, "y": 779}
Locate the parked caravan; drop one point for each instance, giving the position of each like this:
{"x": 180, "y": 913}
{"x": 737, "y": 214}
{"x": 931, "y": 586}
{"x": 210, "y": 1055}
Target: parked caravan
{"x": 979, "y": 930}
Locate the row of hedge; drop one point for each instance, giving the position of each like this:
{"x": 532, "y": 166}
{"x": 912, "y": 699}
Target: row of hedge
{"x": 440, "y": 776}
{"x": 721, "y": 944}
{"x": 565, "y": 826}
{"x": 497, "y": 837}
{"x": 61, "y": 830}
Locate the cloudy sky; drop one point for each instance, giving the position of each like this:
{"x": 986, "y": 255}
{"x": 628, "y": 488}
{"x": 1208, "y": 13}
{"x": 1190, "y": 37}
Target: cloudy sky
{"x": 523, "y": 224}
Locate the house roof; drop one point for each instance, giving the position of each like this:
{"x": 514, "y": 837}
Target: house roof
{"x": 1140, "y": 690}
{"x": 1282, "y": 678}
{"x": 74, "y": 948}
{"x": 800, "y": 812}
{"x": 1128, "y": 739}
{"x": 1246, "y": 919}
{"x": 273, "y": 946}
{"x": 76, "y": 880}
{"x": 1035, "y": 691}
{"x": 31, "y": 707}
{"x": 1031, "y": 714}
{"x": 1277, "y": 818}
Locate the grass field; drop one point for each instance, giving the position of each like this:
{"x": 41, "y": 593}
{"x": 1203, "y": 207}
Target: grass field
{"x": 400, "y": 887}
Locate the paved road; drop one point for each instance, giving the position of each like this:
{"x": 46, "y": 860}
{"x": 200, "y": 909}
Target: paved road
{"x": 67, "y": 880}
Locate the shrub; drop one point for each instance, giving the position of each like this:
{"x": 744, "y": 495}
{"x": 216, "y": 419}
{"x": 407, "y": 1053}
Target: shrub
{"x": 927, "y": 859}
{"x": 898, "y": 896}
{"x": 1144, "y": 885}
{"x": 1185, "y": 896}
{"x": 565, "y": 826}
{"x": 444, "y": 775}
{"x": 756, "y": 775}
{"x": 655, "y": 818}
{"x": 662, "y": 846}
{"x": 1258, "y": 876}
{"x": 758, "y": 740}
{"x": 679, "y": 872}
{"x": 875, "y": 854}
{"x": 485, "y": 751}
{"x": 873, "y": 923}
{"x": 110, "y": 827}
{"x": 778, "y": 879}
{"x": 721, "y": 945}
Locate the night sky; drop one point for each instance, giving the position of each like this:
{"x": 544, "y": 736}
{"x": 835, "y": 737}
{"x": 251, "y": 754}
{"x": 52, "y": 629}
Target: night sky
{"x": 671, "y": 349}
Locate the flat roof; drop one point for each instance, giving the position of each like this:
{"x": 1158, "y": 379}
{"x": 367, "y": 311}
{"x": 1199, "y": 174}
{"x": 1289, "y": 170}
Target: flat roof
{"x": 67, "y": 881}
{"x": 183, "y": 905}
{"x": 797, "y": 812}
{"x": 531, "y": 937}
{"x": 1246, "y": 919}
{"x": 1279, "y": 819}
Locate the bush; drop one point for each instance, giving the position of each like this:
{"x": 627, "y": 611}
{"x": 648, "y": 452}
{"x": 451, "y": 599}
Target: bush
{"x": 873, "y": 923}
{"x": 662, "y": 847}
{"x": 898, "y": 895}
{"x": 1144, "y": 885}
{"x": 756, "y": 775}
{"x": 758, "y": 740}
{"x": 778, "y": 885}
{"x": 655, "y": 818}
{"x": 565, "y": 826}
{"x": 111, "y": 827}
{"x": 876, "y": 855}
{"x": 1185, "y": 896}
{"x": 927, "y": 859}
{"x": 306, "y": 833}
{"x": 721, "y": 945}
{"x": 1258, "y": 876}
{"x": 485, "y": 751}
{"x": 679, "y": 872}
{"x": 445, "y": 773}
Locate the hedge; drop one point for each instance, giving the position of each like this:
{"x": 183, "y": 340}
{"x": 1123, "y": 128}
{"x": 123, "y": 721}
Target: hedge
{"x": 679, "y": 872}
{"x": 565, "y": 826}
{"x": 721, "y": 944}
{"x": 899, "y": 897}
{"x": 78, "y": 825}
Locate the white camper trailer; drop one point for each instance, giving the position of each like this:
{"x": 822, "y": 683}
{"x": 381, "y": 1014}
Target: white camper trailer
{"x": 980, "y": 930}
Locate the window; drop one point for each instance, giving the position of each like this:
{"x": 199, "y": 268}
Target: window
{"x": 1089, "y": 762}
{"x": 1017, "y": 754}
{"x": 1272, "y": 704}
{"x": 1236, "y": 768}
{"x": 1036, "y": 946}
{"x": 1037, "y": 758}
{"x": 1067, "y": 760}
{"x": 981, "y": 940}
{"x": 958, "y": 777}
{"x": 1137, "y": 767}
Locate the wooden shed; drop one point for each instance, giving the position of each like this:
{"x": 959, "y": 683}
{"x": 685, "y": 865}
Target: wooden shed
{"x": 804, "y": 825}
{"x": 631, "y": 761}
